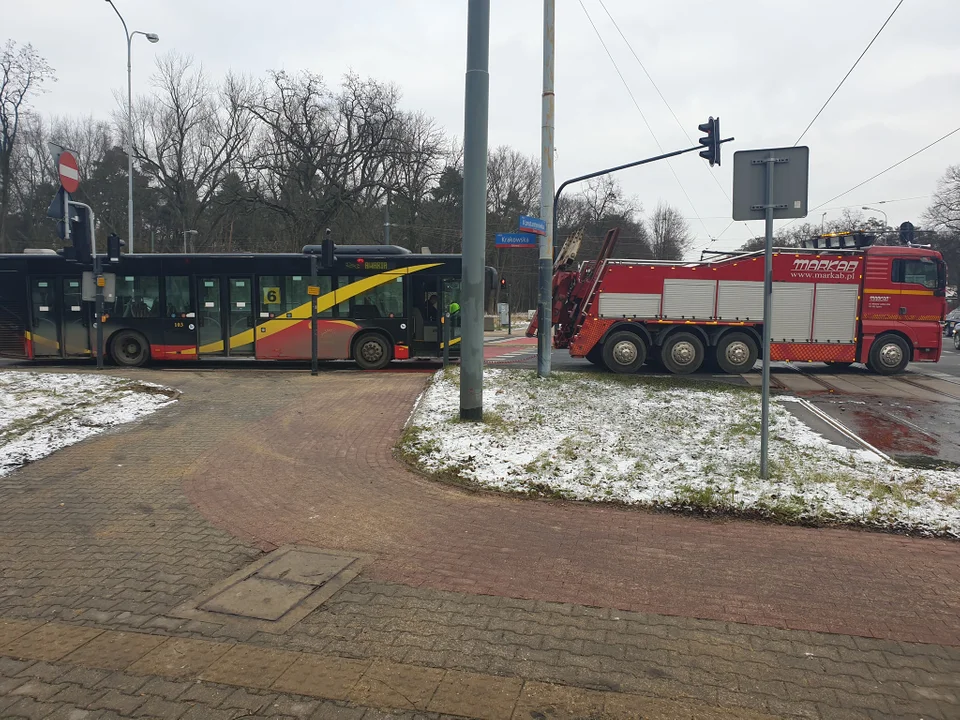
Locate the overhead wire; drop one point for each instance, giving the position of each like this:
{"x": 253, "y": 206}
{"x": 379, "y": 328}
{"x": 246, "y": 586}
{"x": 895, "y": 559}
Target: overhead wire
{"x": 642, "y": 115}
{"x": 882, "y": 172}
{"x": 889, "y": 17}
{"x": 662, "y": 97}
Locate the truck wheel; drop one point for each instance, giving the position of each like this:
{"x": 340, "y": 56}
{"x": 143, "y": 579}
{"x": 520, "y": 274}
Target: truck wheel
{"x": 889, "y": 355}
{"x": 129, "y": 349}
{"x": 371, "y": 352}
{"x": 624, "y": 352}
{"x": 956, "y": 341}
{"x": 682, "y": 353}
{"x": 736, "y": 353}
{"x": 595, "y": 355}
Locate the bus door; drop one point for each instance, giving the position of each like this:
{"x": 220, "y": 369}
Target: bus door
{"x": 425, "y": 313}
{"x": 239, "y": 317}
{"x": 225, "y": 316}
{"x": 44, "y": 317}
{"x": 210, "y": 317}
{"x": 76, "y": 320}
{"x": 451, "y": 297}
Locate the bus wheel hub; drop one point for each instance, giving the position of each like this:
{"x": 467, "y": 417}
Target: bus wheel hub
{"x": 371, "y": 351}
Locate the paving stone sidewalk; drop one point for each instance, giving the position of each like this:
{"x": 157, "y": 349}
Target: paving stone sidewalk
{"x": 100, "y": 537}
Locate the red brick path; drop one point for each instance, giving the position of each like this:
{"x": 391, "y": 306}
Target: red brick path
{"x": 322, "y": 472}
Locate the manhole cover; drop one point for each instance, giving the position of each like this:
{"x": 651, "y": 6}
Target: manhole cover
{"x": 258, "y": 598}
{"x": 277, "y": 591}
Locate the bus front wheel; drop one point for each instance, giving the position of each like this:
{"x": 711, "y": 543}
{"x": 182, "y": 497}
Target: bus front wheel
{"x": 371, "y": 352}
{"x": 129, "y": 349}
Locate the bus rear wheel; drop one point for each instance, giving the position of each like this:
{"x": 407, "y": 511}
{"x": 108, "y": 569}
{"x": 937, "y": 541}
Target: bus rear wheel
{"x": 889, "y": 355}
{"x": 129, "y": 349}
{"x": 371, "y": 352}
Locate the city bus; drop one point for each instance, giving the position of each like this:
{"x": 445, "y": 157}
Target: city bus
{"x": 376, "y": 304}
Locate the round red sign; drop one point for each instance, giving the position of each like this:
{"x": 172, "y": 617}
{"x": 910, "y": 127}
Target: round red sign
{"x": 69, "y": 172}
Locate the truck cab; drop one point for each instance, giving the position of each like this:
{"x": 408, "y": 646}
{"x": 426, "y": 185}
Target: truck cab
{"x": 903, "y": 303}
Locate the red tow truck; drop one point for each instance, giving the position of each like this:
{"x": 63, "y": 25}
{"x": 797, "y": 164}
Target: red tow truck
{"x": 840, "y": 300}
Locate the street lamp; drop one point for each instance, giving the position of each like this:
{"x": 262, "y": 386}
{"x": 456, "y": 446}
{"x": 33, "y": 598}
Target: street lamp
{"x": 885, "y": 223}
{"x": 152, "y": 37}
{"x": 822, "y": 216}
{"x": 185, "y": 233}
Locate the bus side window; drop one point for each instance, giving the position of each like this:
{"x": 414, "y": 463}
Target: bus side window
{"x": 178, "y": 295}
{"x": 281, "y": 294}
{"x": 138, "y": 296}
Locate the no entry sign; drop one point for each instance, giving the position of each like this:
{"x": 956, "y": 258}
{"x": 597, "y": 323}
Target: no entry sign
{"x": 69, "y": 171}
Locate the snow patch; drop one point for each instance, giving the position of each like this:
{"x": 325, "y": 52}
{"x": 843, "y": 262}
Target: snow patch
{"x": 43, "y": 412}
{"x": 663, "y": 443}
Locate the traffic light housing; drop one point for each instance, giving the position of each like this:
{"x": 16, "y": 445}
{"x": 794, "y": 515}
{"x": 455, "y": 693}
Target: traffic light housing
{"x": 328, "y": 250}
{"x": 503, "y": 283}
{"x": 82, "y": 244}
{"x": 711, "y": 151}
{"x": 114, "y": 243}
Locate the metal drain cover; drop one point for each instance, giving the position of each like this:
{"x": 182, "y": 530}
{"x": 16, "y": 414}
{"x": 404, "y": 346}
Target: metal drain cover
{"x": 277, "y": 591}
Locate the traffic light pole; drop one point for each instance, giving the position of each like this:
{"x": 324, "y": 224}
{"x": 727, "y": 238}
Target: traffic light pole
{"x": 314, "y": 369}
{"x": 97, "y": 276}
{"x": 607, "y": 171}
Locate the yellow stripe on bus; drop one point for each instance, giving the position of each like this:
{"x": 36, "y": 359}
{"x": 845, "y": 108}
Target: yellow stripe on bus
{"x": 324, "y": 303}
{"x": 893, "y": 291}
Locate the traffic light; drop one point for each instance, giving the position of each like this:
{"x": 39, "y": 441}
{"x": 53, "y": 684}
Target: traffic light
{"x": 82, "y": 250}
{"x": 712, "y": 140}
{"x": 503, "y": 283}
{"x": 328, "y": 251}
{"x": 114, "y": 243}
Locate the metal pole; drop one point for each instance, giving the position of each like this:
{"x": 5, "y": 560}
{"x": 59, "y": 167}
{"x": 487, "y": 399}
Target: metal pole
{"x": 129, "y": 149}
{"x": 99, "y": 306}
{"x": 767, "y": 316}
{"x": 476, "y": 109}
{"x": 314, "y": 369}
{"x": 509, "y": 325}
{"x": 91, "y": 222}
{"x": 386, "y": 221}
{"x": 446, "y": 338}
{"x": 547, "y": 208}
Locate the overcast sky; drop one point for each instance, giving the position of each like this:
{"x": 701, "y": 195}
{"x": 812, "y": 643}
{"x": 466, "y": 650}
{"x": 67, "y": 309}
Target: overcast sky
{"x": 764, "y": 67}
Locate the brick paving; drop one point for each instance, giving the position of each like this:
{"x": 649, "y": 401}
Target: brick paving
{"x": 793, "y": 622}
{"x": 270, "y": 489}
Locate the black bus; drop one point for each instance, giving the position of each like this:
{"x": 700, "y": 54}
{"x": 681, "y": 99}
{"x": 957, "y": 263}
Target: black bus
{"x": 376, "y": 304}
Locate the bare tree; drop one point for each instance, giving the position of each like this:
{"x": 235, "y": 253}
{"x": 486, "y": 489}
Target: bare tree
{"x": 188, "y": 136}
{"x": 23, "y": 74}
{"x": 320, "y": 153}
{"x": 670, "y": 234}
{"x": 944, "y": 211}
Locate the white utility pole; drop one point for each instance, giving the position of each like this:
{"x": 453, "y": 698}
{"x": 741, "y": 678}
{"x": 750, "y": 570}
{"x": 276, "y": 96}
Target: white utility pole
{"x": 545, "y": 282}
